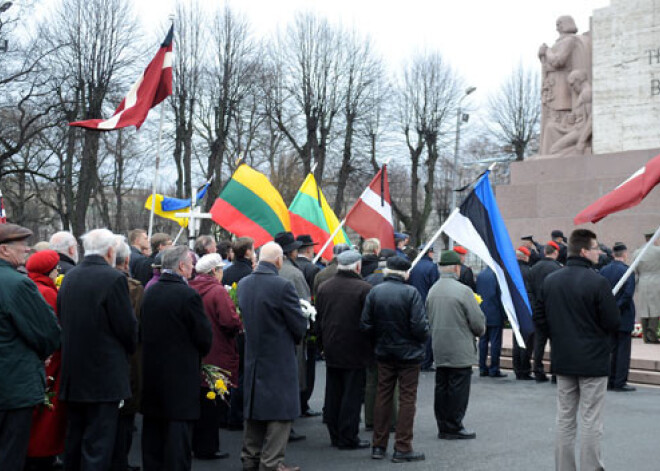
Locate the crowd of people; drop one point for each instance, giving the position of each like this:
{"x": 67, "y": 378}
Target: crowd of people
{"x": 87, "y": 343}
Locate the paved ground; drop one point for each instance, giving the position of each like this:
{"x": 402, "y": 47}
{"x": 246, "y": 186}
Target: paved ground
{"x": 514, "y": 421}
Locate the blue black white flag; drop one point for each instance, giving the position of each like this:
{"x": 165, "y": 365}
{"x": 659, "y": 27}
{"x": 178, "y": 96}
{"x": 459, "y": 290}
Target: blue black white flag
{"x": 478, "y": 226}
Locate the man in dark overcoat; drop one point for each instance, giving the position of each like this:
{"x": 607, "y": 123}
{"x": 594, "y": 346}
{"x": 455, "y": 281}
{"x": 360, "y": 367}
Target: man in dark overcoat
{"x": 423, "y": 276}
{"x": 621, "y": 341}
{"x": 493, "y": 309}
{"x": 274, "y": 324}
{"x": 99, "y": 332}
{"x": 348, "y": 351}
{"x": 176, "y": 334}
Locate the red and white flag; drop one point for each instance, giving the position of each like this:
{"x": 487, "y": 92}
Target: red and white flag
{"x": 153, "y": 86}
{"x": 371, "y": 215}
{"x": 3, "y": 215}
{"x": 628, "y": 194}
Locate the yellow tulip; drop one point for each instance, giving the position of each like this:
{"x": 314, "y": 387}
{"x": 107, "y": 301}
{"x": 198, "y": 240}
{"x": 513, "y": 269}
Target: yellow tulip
{"x": 210, "y": 395}
{"x": 478, "y": 298}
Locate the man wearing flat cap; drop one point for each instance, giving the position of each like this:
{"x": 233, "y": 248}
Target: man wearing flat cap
{"x": 29, "y": 333}
{"x": 558, "y": 237}
{"x": 456, "y": 321}
{"x": 348, "y": 350}
{"x": 395, "y": 318}
{"x": 622, "y": 341}
{"x": 648, "y": 280}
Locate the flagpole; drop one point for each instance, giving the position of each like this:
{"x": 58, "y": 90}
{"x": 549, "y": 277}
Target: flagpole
{"x": 153, "y": 191}
{"x": 330, "y": 239}
{"x": 433, "y": 239}
{"x": 176, "y": 239}
{"x": 635, "y": 262}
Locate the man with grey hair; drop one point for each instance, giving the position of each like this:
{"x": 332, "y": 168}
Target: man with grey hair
{"x": 99, "y": 332}
{"x": 455, "y": 320}
{"x": 176, "y": 335}
{"x": 66, "y": 246}
{"x": 274, "y": 324}
{"x": 348, "y": 351}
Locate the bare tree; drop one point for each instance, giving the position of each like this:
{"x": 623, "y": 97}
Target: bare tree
{"x": 515, "y": 110}
{"x": 428, "y": 98}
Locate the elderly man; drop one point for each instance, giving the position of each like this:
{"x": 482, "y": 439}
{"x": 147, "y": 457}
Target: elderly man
{"x": 176, "y": 335}
{"x": 648, "y": 280}
{"x": 29, "y": 333}
{"x": 99, "y": 331}
{"x": 274, "y": 324}
{"x": 578, "y": 312}
{"x": 395, "y": 317}
{"x": 455, "y": 320}
{"x": 348, "y": 351}
{"x": 66, "y": 246}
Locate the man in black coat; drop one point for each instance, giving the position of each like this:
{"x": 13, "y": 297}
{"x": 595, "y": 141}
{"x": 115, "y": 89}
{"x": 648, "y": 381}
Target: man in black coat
{"x": 274, "y": 324}
{"x": 348, "y": 351}
{"x": 522, "y": 357}
{"x": 176, "y": 335}
{"x": 140, "y": 265}
{"x": 467, "y": 276}
{"x": 99, "y": 332}
{"x": 537, "y": 275}
{"x": 621, "y": 341}
{"x": 577, "y": 310}
{"x": 395, "y": 317}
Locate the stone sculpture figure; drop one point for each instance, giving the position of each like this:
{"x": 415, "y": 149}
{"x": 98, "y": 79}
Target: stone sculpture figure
{"x": 570, "y": 52}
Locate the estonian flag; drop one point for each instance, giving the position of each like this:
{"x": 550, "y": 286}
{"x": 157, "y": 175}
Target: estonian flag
{"x": 478, "y": 226}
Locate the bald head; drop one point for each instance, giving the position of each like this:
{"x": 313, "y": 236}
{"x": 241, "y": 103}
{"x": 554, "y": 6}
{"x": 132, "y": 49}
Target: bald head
{"x": 271, "y": 252}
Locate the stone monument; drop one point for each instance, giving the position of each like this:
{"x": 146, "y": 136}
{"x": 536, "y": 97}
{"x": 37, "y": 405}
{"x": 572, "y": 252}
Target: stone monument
{"x": 600, "y": 123}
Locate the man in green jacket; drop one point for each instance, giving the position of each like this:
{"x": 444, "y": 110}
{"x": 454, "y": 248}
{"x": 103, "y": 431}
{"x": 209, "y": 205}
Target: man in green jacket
{"x": 455, "y": 320}
{"x": 29, "y": 333}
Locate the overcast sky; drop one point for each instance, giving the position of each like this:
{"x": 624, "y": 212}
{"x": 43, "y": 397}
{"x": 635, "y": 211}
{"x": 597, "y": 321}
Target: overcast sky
{"x": 482, "y": 39}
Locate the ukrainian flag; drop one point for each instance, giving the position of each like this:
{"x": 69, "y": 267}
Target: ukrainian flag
{"x": 167, "y": 207}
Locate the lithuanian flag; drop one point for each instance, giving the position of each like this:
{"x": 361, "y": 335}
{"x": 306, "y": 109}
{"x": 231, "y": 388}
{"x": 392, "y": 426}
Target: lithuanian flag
{"x": 311, "y": 214}
{"x": 250, "y": 206}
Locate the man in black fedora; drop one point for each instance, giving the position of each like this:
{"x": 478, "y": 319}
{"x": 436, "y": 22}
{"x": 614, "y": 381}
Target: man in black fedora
{"x": 304, "y": 261}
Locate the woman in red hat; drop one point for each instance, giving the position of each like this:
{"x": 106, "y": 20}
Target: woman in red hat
{"x": 48, "y": 423}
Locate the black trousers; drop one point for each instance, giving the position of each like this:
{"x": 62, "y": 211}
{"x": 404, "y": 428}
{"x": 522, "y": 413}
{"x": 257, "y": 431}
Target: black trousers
{"x": 123, "y": 442}
{"x": 540, "y": 340}
{"x": 344, "y": 389}
{"x": 90, "y": 435}
{"x": 14, "y": 437}
{"x": 621, "y": 345}
{"x": 522, "y": 357}
{"x": 166, "y": 444}
{"x": 206, "y": 438}
{"x": 452, "y": 392}
{"x": 310, "y": 372}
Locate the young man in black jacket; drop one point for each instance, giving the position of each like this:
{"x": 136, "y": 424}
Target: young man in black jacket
{"x": 578, "y": 312}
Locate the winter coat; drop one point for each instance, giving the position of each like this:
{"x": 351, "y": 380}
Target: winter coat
{"x": 154, "y": 278}
{"x": 395, "y": 317}
{"x": 226, "y": 324}
{"x": 423, "y": 275}
{"x": 339, "y": 305}
{"x": 648, "y": 281}
{"x": 66, "y": 263}
{"x": 48, "y": 425}
{"x": 99, "y": 332}
{"x": 290, "y": 271}
{"x": 624, "y": 298}
{"x": 324, "y": 275}
{"x": 467, "y": 278}
{"x": 578, "y": 312}
{"x": 274, "y": 324}
{"x": 140, "y": 266}
{"x": 491, "y": 304}
{"x": 176, "y": 335}
{"x": 309, "y": 270}
{"x": 455, "y": 320}
{"x": 537, "y": 275}
{"x": 132, "y": 405}
{"x": 369, "y": 264}
{"x": 238, "y": 270}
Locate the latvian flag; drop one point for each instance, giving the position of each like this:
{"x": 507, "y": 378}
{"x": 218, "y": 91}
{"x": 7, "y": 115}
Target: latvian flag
{"x": 3, "y": 215}
{"x": 478, "y": 226}
{"x": 152, "y": 87}
{"x": 628, "y": 194}
{"x": 371, "y": 215}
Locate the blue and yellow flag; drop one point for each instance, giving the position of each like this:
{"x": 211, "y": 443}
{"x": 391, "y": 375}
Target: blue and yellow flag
{"x": 167, "y": 207}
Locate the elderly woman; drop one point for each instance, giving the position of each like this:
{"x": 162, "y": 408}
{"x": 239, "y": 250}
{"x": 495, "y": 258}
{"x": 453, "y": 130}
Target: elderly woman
{"x": 48, "y": 425}
{"x": 226, "y": 325}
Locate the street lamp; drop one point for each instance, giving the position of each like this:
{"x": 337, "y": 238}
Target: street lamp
{"x": 459, "y": 118}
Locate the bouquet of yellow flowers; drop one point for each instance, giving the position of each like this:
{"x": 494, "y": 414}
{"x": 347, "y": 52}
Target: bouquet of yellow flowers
{"x": 218, "y": 381}
{"x": 232, "y": 291}
{"x": 478, "y": 298}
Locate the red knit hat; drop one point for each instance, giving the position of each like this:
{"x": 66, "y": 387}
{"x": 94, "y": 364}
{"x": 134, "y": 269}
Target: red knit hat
{"x": 42, "y": 262}
{"x": 554, "y": 244}
{"x": 460, "y": 250}
{"x": 524, "y": 250}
